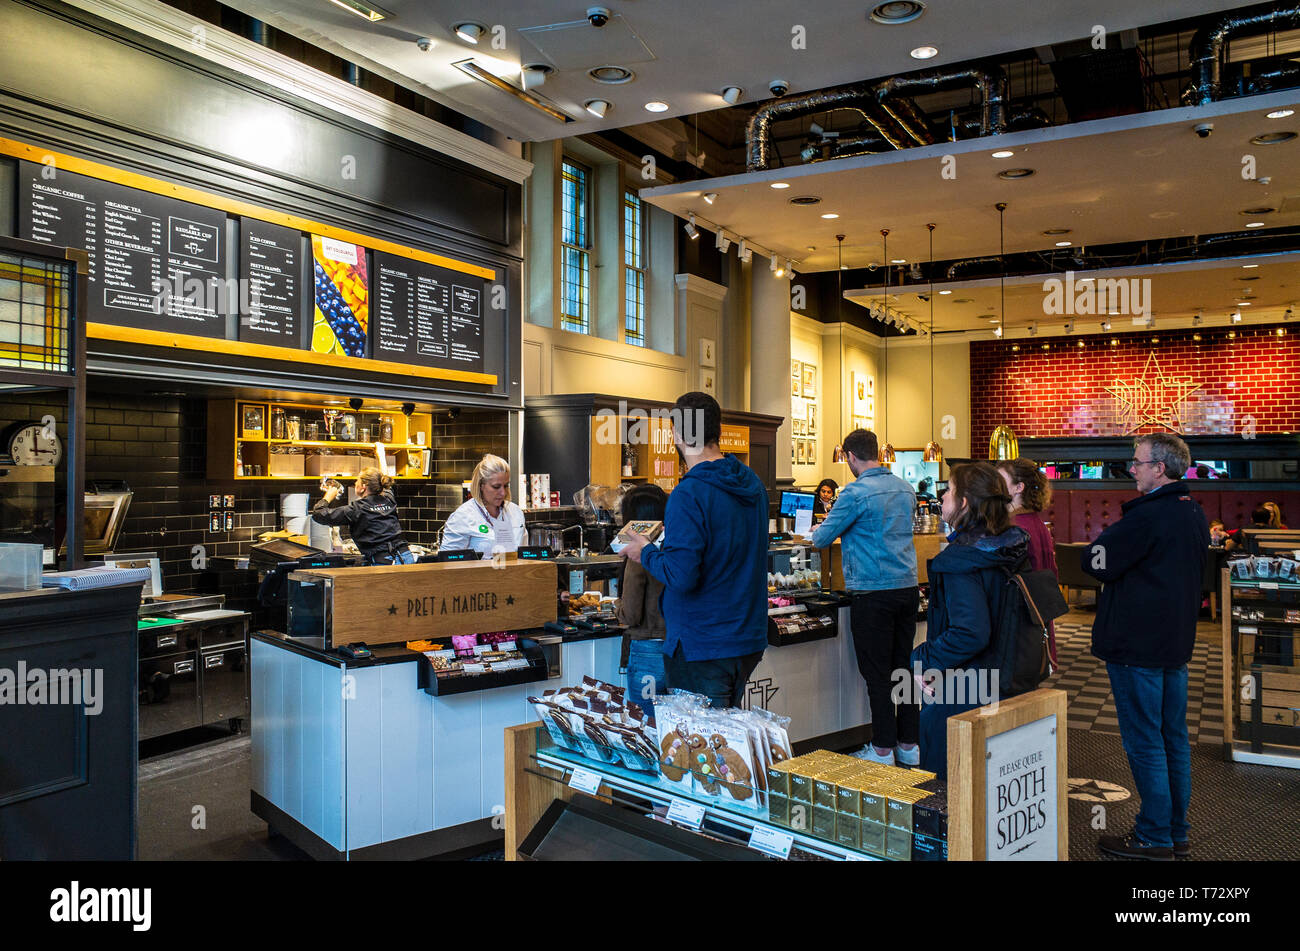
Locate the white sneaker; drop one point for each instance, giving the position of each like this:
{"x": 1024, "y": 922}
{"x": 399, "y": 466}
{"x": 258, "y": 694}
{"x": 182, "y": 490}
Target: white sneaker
{"x": 910, "y": 757}
{"x": 869, "y": 754}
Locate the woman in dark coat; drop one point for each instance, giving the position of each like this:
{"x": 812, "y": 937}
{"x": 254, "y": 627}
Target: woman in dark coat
{"x": 967, "y": 587}
{"x": 639, "y": 593}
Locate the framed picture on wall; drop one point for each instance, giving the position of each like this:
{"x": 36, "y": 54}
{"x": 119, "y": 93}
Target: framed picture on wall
{"x": 707, "y": 357}
{"x": 798, "y": 408}
{"x": 799, "y": 451}
{"x": 811, "y": 451}
{"x": 795, "y": 371}
{"x": 812, "y": 418}
{"x": 809, "y": 380}
{"x": 798, "y": 427}
{"x": 709, "y": 381}
{"x": 870, "y": 409}
{"x": 796, "y": 387}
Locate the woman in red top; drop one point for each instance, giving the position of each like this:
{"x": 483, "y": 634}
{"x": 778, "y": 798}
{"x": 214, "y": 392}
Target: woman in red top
{"x": 1030, "y": 491}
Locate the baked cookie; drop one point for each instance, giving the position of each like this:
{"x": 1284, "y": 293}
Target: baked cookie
{"x": 702, "y": 763}
{"x": 674, "y": 755}
{"x": 730, "y": 767}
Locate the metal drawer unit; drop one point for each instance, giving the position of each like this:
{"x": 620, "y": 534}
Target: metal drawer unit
{"x": 169, "y": 694}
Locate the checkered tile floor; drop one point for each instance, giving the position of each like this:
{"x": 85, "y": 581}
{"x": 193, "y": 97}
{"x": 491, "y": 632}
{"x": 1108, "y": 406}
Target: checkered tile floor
{"x": 1092, "y": 706}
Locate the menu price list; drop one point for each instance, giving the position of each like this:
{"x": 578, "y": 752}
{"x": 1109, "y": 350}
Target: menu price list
{"x": 427, "y": 315}
{"x": 270, "y": 259}
{"x": 156, "y": 263}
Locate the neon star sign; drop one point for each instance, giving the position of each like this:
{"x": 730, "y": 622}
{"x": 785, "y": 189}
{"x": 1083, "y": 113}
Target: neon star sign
{"x": 1151, "y": 398}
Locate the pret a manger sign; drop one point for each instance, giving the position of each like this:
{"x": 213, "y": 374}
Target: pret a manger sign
{"x": 395, "y": 603}
{"x": 1020, "y": 793}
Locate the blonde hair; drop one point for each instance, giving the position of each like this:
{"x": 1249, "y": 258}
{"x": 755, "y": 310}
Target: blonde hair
{"x": 487, "y": 467}
{"x": 374, "y": 480}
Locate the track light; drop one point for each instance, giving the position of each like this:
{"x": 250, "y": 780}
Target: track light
{"x": 470, "y": 32}
{"x": 771, "y": 264}
{"x": 744, "y": 252}
{"x": 731, "y": 95}
{"x": 721, "y": 241}
{"x": 1196, "y": 319}
{"x": 1069, "y": 327}
{"x": 1033, "y": 330}
{"x": 597, "y": 107}
{"x": 1287, "y": 314}
{"x": 711, "y": 197}
{"x": 1236, "y": 316}
{"x": 691, "y": 231}
{"x": 533, "y": 75}
{"x": 997, "y": 332}
{"x": 1105, "y": 325}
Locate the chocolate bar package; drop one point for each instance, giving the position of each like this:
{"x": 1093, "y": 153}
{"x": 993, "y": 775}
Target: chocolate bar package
{"x": 930, "y": 815}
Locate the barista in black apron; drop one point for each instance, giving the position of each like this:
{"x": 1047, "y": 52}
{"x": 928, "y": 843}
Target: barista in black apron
{"x": 371, "y": 518}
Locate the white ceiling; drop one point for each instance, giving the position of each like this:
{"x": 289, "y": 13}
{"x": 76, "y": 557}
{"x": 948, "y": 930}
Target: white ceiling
{"x": 688, "y": 50}
{"x": 1130, "y": 178}
{"x": 1175, "y": 294}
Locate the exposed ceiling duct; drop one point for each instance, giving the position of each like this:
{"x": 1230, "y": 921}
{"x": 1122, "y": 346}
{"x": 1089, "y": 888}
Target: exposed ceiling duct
{"x": 1210, "y": 42}
{"x": 885, "y": 106}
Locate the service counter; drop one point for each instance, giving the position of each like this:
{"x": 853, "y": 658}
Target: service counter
{"x": 927, "y": 546}
{"x": 353, "y": 760}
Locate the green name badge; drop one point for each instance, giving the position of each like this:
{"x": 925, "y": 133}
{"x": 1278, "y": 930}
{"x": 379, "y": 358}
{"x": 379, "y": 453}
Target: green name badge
{"x": 483, "y": 529}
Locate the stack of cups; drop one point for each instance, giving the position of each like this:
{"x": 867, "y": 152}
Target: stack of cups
{"x": 293, "y": 508}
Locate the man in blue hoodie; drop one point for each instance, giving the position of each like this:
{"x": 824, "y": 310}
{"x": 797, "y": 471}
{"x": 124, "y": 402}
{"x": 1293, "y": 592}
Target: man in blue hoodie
{"x": 712, "y": 561}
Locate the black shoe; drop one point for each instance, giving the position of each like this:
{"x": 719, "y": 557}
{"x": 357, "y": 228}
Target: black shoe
{"x": 1182, "y": 849}
{"x": 1131, "y": 847}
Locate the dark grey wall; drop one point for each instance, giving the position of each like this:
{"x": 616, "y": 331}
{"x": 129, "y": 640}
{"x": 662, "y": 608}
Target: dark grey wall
{"x": 89, "y": 88}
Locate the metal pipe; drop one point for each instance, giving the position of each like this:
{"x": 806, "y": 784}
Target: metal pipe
{"x": 1206, "y": 51}
{"x": 855, "y": 96}
{"x": 991, "y": 81}
{"x": 847, "y": 146}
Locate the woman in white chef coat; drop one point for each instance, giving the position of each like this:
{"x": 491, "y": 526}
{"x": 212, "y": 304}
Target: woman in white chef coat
{"x": 489, "y": 521}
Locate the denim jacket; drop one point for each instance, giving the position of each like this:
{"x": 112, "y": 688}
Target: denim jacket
{"x": 873, "y": 516}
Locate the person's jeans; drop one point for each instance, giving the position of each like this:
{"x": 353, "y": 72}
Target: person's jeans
{"x": 403, "y": 556}
{"x": 884, "y": 627}
{"x": 645, "y": 673}
{"x": 1152, "y": 706}
{"x": 722, "y": 681}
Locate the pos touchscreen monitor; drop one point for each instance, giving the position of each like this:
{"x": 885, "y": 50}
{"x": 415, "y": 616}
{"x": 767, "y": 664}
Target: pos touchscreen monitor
{"x": 798, "y": 506}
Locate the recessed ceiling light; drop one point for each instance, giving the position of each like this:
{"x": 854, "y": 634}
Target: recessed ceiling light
{"x": 1281, "y": 113}
{"x": 611, "y": 75}
{"x": 830, "y": 214}
{"x": 470, "y": 32}
{"x": 1257, "y": 211}
{"x": 897, "y": 11}
{"x": 1272, "y": 138}
{"x": 844, "y": 267}
{"x": 1052, "y": 232}
{"x": 812, "y": 247}
{"x": 804, "y": 200}
{"x": 925, "y": 52}
{"x": 1004, "y": 153}
{"x": 1255, "y": 224}
{"x": 656, "y": 105}
{"x": 1011, "y": 174}
{"x": 945, "y": 292}
{"x": 1083, "y": 280}
{"x": 780, "y": 184}
{"x": 366, "y": 11}
{"x": 898, "y": 260}
{"x": 731, "y": 95}
{"x": 1250, "y": 265}
{"x": 963, "y": 300}
{"x": 597, "y": 107}
{"x": 1243, "y": 303}
{"x": 1063, "y": 244}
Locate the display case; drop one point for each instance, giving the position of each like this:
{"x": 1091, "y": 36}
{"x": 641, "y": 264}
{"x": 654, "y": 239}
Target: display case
{"x": 1261, "y": 666}
{"x": 250, "y": 439}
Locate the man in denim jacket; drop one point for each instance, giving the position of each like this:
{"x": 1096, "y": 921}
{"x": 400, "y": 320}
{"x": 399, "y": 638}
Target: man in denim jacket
{"x": 873, "y": 515}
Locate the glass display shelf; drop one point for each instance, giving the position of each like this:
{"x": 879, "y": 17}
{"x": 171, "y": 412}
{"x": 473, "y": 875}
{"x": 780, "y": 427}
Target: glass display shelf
{"x": 724, "y": 818}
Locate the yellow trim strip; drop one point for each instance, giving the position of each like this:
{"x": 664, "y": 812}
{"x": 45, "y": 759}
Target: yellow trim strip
{"x": 157, "y": 338}
{"x": 229, "y": 205}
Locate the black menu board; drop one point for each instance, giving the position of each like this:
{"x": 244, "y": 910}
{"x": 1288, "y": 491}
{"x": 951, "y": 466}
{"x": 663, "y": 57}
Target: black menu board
{"x": 155, "y": 262}
{"x": 427, "y": 315}
{"x": 270, "y": 266}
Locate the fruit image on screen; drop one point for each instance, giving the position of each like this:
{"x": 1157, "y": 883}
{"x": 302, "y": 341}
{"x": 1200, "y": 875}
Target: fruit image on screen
{"x": 342, "y": 309}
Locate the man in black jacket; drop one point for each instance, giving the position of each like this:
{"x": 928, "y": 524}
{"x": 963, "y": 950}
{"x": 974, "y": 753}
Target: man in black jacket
{"x": 1151, "y": 562}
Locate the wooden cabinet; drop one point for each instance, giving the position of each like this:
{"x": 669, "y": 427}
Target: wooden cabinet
{"x": 241, "y": 437}
{"x": 581, "y": 438}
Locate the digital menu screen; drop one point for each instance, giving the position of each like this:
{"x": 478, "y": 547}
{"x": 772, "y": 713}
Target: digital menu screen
{"x": 427, "y": 315}
{"x": 156, "y": 263}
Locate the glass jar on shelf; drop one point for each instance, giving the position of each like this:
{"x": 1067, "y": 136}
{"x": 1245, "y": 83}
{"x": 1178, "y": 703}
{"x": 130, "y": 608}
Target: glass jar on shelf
{"x": 385, "y": 429}
{"x": 278, "y": 427}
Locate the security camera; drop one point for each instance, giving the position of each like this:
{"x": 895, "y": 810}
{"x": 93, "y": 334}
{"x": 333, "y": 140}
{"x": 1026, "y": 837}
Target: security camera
{"x": 598, "y": 16}
{"x": 454, "y": 412}
{"x": 778, "y": 87}
{"x": 356, "y": 403}
{"x": 1203, "y": 129}
{"x": 424, "y": 43}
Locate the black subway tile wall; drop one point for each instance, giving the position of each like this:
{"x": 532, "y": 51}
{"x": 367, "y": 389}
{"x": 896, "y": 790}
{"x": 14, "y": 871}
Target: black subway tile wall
{"x": 158, "y": 446}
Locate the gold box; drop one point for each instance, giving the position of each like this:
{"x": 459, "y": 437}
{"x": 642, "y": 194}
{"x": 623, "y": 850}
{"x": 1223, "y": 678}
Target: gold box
{"x": 871, "y": 805}
{"x": 778, "y": 810}
{"x": 898, "y": 811}
{"x": 824, "y": 823}
{"x": 801, "y": 787}
{"x": 898, "y": 844}
{"x": 848, "y": 830}
{"x": 872, "y": 835}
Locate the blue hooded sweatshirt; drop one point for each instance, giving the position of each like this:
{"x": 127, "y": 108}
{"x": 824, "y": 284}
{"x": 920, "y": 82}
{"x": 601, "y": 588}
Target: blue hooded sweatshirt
{"x": 713, "y": 562}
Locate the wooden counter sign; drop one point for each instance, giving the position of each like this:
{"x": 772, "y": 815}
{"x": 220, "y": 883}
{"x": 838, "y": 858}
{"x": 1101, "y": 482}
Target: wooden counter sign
{"x": 391, "y": 603}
